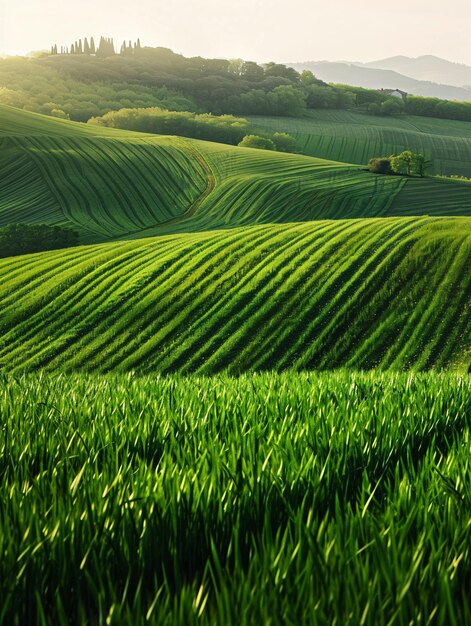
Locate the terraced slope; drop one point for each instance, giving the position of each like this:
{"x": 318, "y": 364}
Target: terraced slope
{"x": 355, "y": 137}
{"x": 257, "y": 187}
{"x": 115, "y": 184}
{"x": 104, "y": 186}
{"x": 388, "y": 293}
{"x": 110, "y": 184}
{"x": 432, "y": 196}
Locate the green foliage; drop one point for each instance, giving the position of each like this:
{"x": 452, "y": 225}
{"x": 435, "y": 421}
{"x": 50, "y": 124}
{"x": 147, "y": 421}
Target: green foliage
{"x": 284, "y": 142}
{"x": 420, "y": 164}
{"x": 374, "y": 108}
{"x": 90, "y": 82}
{"x": 295, "y": 499}
{"x": 434, "y": 107}
{"x": 392, "y": 107}
{"x": 223, "y": 128}
{"x": 255, "y": 141}
{"x": 38, "y": 85}
{"x": 380, "y": 165}
{"x": 407, "y": 163}
{"x": 60, "y": 114}
{"x": 410, "y": 163}
{"x": 16, "y": 239}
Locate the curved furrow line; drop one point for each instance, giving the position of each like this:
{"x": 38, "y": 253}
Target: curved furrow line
{"x": 130, "y": 313}
{"x": 451, "y": 331}
{"x": 347, "y": 276}
{"x": 159, "y": 321}
{"x": 422, "y": 324}
{"x": 217, "y": 315}
{"x": 83, "y": 297}
{"x": 337, "y": 331}
{"x": 254, "y": 317}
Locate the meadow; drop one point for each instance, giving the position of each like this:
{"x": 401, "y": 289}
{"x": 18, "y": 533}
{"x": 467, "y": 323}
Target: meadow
{"x": 335, "y": 498}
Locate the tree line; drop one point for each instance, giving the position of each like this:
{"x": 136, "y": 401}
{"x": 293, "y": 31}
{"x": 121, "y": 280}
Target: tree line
{"x": 220, "y": 128}
{"x": 16, "y": 239}
{"x": 105, "y": 48}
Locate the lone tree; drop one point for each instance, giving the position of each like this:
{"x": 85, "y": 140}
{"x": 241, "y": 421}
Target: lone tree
{"x": 420, "y": 164}
{"x": 402, "y": 163}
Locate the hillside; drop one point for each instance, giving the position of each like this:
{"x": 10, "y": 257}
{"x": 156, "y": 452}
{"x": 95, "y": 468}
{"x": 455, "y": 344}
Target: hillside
{"x": 372, "y": 76}
{"x": 427, "y": 67}
{"x": 355, "y": 293}
{"x": 246, "y": 398}
{"x": 111, "y": 184}
{"x": 355, "y": 137}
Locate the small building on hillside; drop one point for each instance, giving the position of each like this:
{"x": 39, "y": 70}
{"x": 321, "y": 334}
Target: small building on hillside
{"x": 395, "y": 93}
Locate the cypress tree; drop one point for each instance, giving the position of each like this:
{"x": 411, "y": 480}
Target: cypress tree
{"x": 92, "y": 46}
{"x": 72, "y": 49}
{"x": 86, "y": 47}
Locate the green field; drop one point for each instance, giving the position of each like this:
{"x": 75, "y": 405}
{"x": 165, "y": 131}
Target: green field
{"x": 356, "y": 137}
{"x": 284, "y": 500}
{"x": 111, "y": 184}
{"x": 356, "y": 293}
{"x": 167, "y": 454}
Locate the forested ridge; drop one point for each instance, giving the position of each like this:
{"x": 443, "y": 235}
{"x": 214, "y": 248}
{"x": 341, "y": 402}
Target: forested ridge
{"x": 84, "y": 81}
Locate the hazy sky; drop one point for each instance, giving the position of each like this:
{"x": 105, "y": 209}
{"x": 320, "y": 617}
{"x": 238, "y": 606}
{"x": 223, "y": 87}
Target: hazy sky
{"x": 262, "y": 30}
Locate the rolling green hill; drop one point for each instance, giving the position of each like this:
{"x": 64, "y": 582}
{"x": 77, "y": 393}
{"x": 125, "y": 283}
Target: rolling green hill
{"x": 110, "y": 184}
{"x": 270, "y": 498}
{"x": 356, "y": 137}
{"x": 356, "y": 293}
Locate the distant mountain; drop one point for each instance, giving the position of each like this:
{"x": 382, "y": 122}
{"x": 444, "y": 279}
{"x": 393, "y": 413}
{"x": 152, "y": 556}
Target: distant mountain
{"x": 428, "y": 68}
{"x": 373, "y": 78}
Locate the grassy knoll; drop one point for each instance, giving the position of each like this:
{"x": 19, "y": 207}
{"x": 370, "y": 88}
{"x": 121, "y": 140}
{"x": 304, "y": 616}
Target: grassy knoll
{"x": 389, "y": 293}
{"x": 299, "y": 499}
{"x": 355, "y": 137}
{"x": 110, "y": 184}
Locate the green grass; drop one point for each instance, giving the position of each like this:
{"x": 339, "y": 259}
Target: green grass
{"x": 389, "y": 293}
{"x": 280, "y": 499}
{"x": 110, "y": 184}
{"x": 356, "y": 138}
{"x": 284, "y": 500}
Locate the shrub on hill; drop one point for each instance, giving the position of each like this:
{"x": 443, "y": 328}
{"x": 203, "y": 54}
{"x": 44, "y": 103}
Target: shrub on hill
{"x": 284, "y": 142}
{"x": 380, "y": 165}
{"x": 255, "y": 141}
{"x": 16, "y": 239}
{"x": 434, "y": 107}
